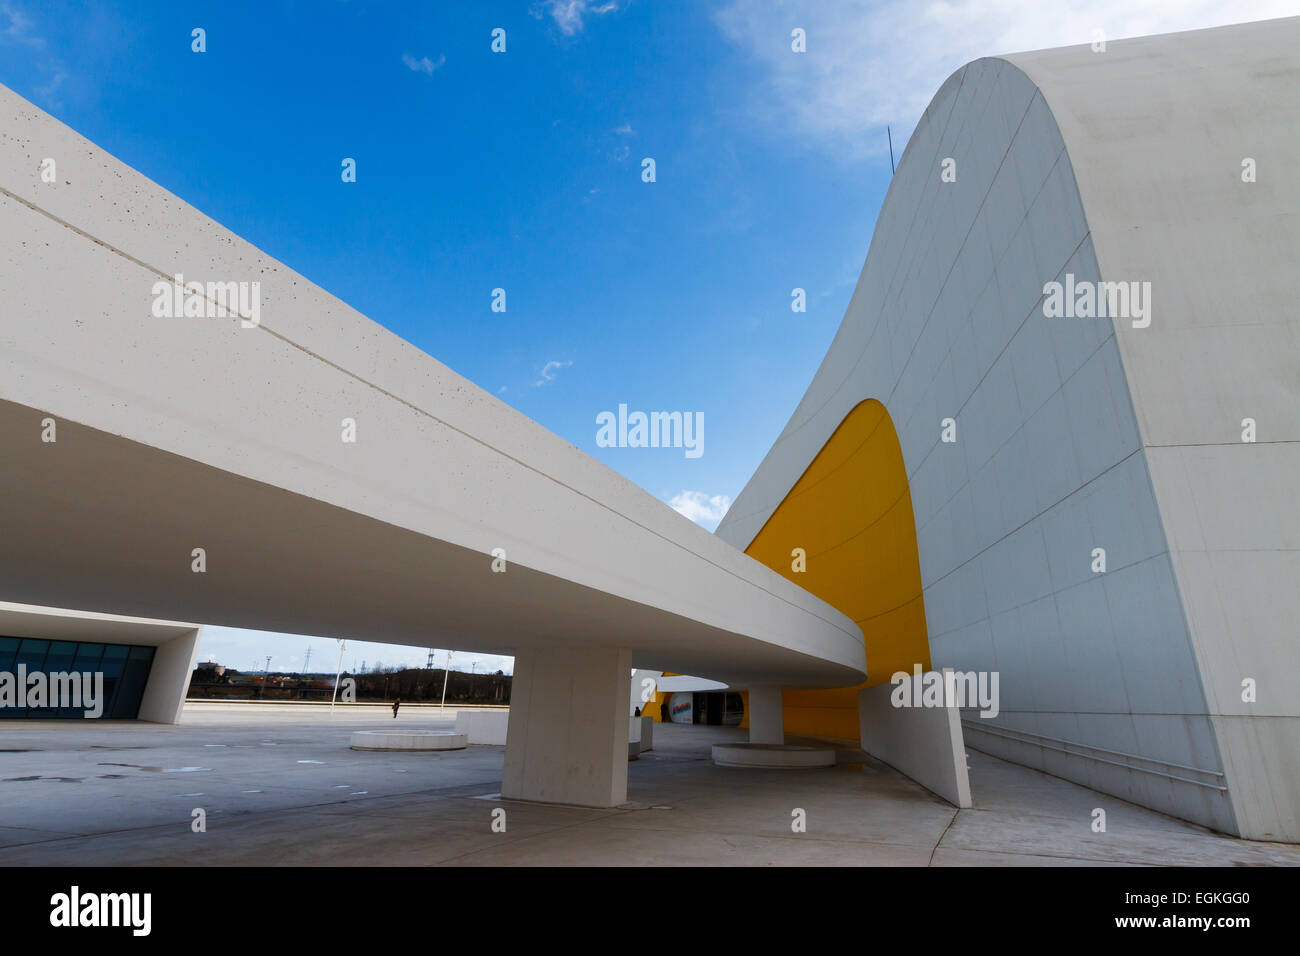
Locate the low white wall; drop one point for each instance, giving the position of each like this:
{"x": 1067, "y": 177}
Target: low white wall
{"x": 388, "y": 740}
{"x": 925, "y": 743}
{"x": 484, "y": 726}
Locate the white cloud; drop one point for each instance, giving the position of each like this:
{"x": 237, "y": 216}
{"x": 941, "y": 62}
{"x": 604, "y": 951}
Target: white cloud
{"x": 18, "y": 31}
{"x": 703, "y": 509}
{"x": 49, "y": 91}
{"x": 625, "y": 130}
{"x": 872, "y": 64}
{"x": 568, "y": 14}
{"x": 549, "y": 370}
{"x": 423, "y": 64}
{"x": 19, "y": 27}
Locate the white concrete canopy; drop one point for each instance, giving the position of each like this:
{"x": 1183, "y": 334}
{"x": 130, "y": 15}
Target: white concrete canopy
{"x": 177, "y": 433}
{"x": 227, "y": 434}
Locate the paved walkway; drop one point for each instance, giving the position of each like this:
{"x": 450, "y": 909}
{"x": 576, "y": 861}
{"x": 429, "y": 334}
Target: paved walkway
{"x": 280, "y": 786}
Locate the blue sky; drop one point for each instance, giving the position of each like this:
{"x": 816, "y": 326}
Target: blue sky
{"x": 522, "y": 170}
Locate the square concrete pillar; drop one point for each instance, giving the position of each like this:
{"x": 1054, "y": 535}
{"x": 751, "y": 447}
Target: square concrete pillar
{"x": 766, "y": 721}
{"x": 568, "y": 734}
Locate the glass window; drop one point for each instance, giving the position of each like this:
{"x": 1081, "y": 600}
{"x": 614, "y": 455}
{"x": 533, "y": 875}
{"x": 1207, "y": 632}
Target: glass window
{"x": 8, "y": 648}
{"x": 60, "y": 656}
{"x": 88, "y": 656}
{"x": 32, "y": 653}
{"x": 59, "y": 661}
{"x": 124, "y": 669}
{"x": 111, "y": 664}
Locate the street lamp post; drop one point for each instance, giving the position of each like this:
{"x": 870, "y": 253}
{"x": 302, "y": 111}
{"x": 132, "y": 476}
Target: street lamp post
{"x": 343, "y": 646}
{"x": 447, "y": 668}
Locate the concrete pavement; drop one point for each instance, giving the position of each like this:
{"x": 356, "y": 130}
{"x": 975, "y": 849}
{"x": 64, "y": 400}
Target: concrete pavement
{"x": 279, "y": 786}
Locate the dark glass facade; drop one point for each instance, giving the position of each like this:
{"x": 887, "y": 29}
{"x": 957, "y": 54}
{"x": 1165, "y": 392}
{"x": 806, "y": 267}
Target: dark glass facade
{"x": 125, "y": 668}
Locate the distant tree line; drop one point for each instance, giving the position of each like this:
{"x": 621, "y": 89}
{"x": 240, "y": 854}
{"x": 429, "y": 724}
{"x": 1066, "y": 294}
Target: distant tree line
{"x": 411, "y": 684}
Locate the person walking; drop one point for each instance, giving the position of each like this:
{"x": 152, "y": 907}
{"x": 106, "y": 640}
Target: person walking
{"x": 396, "y": 704}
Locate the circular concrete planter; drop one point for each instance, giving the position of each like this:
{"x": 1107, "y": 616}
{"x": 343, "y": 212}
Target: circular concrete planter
{"x": 391, "y": 740}
{"x": 773, "y": 756}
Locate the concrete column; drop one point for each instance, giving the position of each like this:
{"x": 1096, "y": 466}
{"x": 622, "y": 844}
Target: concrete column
{"x": 766, "y": 722}
{"x": 568, "y": 733}
{"x": 169, "y": 679}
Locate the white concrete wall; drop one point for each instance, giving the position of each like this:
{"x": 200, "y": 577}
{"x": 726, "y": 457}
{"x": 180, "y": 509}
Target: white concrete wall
{"x": 1075, "y": 434}
{"x": 923, "y": 742}
{"x": 1169, "y": 206}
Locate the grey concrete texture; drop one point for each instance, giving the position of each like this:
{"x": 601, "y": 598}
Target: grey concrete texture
{"x": 1158, "y": 130}
{"x": 1079, "y": 433}
{"x": 281, "y": 787}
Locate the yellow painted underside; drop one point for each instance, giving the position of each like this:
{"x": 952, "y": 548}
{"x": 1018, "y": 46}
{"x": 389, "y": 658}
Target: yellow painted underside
{"x": 851, "y": 513}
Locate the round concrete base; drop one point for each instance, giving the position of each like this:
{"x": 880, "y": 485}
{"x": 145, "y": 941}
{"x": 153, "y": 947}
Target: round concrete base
{"x": 393, "y": 740}
{"x": 773, "y": 756}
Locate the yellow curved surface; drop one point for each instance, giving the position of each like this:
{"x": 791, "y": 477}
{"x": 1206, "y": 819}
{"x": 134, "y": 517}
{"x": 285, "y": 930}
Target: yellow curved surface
{"x": 851, "y": 513}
